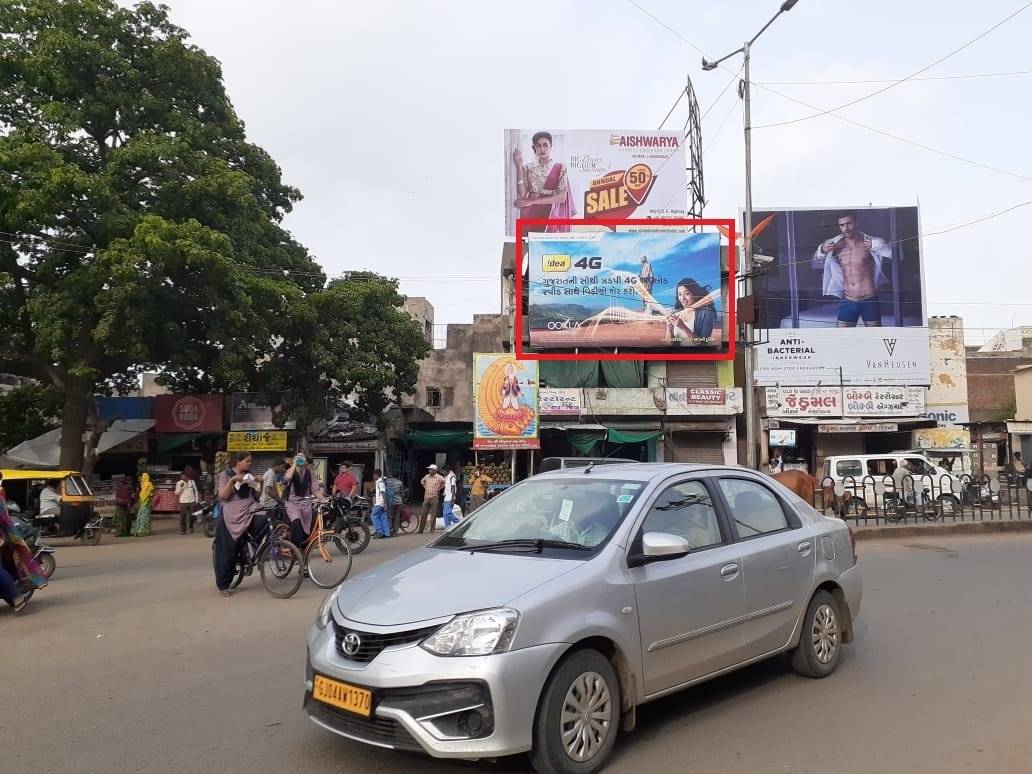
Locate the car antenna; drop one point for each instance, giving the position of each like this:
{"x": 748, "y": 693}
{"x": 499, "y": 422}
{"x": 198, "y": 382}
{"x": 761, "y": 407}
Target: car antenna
{"x": 587, "y": 469}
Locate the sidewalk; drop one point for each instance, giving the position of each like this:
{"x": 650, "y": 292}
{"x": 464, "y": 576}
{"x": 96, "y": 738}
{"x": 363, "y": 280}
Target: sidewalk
{"x": 938, "y": 528}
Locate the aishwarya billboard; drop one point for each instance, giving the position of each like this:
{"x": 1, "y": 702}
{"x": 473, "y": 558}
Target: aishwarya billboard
{"x": 626, "y": 289}
{"x": 505, "y": 401}
{"x": 837, "y": 275}
{"x": 593, "y": 174}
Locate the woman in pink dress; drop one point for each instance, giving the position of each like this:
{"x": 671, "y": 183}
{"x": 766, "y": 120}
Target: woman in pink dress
{"x": 543, "y": 187}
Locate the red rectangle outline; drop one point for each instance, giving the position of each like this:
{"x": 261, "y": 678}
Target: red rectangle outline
{"x": 728, "y": 223}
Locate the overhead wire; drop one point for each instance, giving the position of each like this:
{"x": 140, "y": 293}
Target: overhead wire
{"x": 892, "y": 85}
{"x": 862, "y": 82}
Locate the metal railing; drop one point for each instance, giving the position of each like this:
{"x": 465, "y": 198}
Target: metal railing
{"x": 874, "y": 500}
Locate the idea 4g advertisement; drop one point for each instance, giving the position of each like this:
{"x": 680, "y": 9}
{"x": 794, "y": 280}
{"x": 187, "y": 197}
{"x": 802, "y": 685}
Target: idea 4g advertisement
{"x": 592, "y": 175}
{"x": 646, "y": 290}
{"x": 505, "y": 399}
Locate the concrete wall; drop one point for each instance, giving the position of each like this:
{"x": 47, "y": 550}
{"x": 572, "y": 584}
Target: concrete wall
{"x": 1023, "y": 394}
{"x": 947, "y": 396}
{"x": 422, "y": 311}
{"x": 990, "y": 378}
{"x": 450, "y": 370}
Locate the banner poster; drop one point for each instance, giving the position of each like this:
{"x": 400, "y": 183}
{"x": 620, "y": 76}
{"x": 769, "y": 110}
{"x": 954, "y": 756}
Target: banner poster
{"x": 622, "y": 289}
{"x": 853, "y": 279}
{"x": 505, "y": 400}
{"x": 593, "y": 174}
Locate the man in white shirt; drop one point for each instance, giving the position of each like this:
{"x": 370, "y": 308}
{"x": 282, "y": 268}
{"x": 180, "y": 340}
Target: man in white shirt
{"x": 381, "y": 518}
{"x": 49, "y": 501}
{"x": 450, "y": 486}
{"x": 186, "y": 491}
{"x": 852, "y": 265}
{"x": 270, "y": 481}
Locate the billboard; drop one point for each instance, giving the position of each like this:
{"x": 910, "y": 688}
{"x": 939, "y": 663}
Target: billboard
{"x": 839, "y": 285}
{"x": 505, "y": 401}
{"x": 593, "y": 174}
{"x": 249, "y": 412}
{"x": 651, "y": 290}
{"x": 187, "y": 413}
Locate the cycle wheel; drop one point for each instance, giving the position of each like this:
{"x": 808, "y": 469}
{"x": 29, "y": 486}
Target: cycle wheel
{"x": 409, "y": 523}
{"x": 328, "y": 571}
{"x": 282, "y": 568}
{"x": 356, "y": 535}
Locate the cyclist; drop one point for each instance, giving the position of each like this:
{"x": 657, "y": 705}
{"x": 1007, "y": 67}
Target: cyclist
{"x": 237, "y": 491}
{"x": 300, "y": 485}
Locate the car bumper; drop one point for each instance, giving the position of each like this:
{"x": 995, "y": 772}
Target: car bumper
{"x": 853, "y": 589}
{"x": 511, "y": 682}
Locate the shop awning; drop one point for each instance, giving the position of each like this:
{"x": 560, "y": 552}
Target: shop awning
{"x": 632, "y": 436}
{"x": 169, "y": 441}
{"x": 45, "y": 450}
{"x": 439, "y": 438}
{"x": 702, "y": 426}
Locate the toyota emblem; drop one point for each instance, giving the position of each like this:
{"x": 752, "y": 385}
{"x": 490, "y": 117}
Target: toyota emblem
{"x": 351, "y": 643}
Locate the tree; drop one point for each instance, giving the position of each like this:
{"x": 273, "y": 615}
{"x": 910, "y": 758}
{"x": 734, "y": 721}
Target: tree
{"x": 138, "y": 227}
{"x": 26, "y": 412}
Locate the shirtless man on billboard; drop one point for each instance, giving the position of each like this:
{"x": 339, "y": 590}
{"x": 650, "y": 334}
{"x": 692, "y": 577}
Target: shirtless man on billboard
{"x": 854, "y": 272}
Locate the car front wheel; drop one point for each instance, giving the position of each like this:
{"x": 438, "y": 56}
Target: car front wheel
{"x": 577, "y": 716}
{"x": 820, "y": 643}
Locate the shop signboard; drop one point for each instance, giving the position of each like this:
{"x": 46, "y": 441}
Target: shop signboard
{"x": 257, "y": 440}
{"x": 560, "y": 402}
{"x": 804, "y": 401}
{"x": 250, "y": 412}
{"x": 883, "y": 401}
{"x": 187, "y": 413}
{"x": 942, "y": 438}
{"x": 786, "y": 437}
{"x": 860, "y": 427}
{"x": 652, "y": 289}
{"x": 843, "y": 298}
{"x": 505, "y": 402}
{"x": 703, "y": 401}
{"x": 593, "y": 174}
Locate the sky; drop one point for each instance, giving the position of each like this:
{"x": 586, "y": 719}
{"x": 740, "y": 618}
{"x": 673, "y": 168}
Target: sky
{"x": 389, "y": 117}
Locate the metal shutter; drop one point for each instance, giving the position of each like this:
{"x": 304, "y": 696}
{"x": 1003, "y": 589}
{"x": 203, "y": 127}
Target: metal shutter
{"x": 685, "y": 373}
{"x": 696, "y": 447}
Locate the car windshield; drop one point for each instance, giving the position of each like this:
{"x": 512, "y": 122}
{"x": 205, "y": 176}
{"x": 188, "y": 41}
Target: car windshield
{"x": 583, "y": 511}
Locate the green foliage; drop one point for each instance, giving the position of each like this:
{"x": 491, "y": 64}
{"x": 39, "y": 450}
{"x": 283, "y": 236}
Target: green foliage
{"x": 140, "y": 230}
{"x": 26, "y": 412}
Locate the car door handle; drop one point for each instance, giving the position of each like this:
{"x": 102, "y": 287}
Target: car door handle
{"x": 729, "y": 571}
{"x": 804, "y": 548}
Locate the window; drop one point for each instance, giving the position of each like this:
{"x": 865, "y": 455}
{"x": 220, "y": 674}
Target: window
{"x": 849, "y": 468}
{"x": 686, "y": 510}
{"x": 433, "y": 397}
{"x": 754, "y": 508}
{"x": 920, "y": 467}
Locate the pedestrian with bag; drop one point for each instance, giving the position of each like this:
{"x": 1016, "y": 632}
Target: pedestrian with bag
{"x": 433, "y": 485}
{"x": 189, "y": 496}
{"x": 450, "y": 486}
{"x": 382, "y": 501}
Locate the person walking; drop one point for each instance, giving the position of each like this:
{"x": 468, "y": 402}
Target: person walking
{"x": 433, "y": 485}
{"x": 123, "y": 506}
{"x": 478, "y": 488}
{"x": 299, "y": 484}
{"x": 189, "y": 496}
{"x": 380, "y": 514}
{"x": 450, "y": 486}
{"x": 236, "y": 490}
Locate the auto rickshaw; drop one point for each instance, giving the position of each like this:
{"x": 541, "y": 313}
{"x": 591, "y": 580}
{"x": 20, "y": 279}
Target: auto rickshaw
{"x": 76, "y": 517}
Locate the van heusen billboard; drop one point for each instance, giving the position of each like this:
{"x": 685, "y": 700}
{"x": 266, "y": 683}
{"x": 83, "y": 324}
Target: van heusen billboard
{"x": 841, "y": 297}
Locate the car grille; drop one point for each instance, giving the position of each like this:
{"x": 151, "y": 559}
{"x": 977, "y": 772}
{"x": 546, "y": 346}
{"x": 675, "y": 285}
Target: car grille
{"x": 373, "y": 644}
{"x": 385, "y": 731}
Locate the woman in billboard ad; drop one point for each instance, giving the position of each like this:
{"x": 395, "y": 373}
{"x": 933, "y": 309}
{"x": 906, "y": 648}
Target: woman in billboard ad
{"x": 543, "y": 187}
{"x": 694, "y": 313}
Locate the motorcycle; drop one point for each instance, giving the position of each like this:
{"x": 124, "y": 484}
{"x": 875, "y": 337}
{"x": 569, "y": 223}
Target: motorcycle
{"x": 205, "y": 515}
{"x": 351, "y": 520}
{"x": 41, "y": 552}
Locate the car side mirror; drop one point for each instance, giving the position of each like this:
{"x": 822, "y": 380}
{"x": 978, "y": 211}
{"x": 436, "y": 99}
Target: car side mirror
{"x": 658, "y": 547}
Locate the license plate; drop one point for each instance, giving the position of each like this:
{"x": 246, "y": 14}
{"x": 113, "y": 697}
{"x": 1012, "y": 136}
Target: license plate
{"x": 343, "y": 696}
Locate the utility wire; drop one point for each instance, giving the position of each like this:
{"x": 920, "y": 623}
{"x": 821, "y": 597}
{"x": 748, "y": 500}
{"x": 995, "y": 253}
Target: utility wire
{"x": 884, "y": 89}
{"x": 684, "y": 90}
{"x": 957, "y": 77}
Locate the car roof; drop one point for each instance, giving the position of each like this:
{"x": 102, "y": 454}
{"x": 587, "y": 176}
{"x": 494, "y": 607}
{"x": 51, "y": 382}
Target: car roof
{"x": 31, "y": 475}
{"x": 639, "y": 471}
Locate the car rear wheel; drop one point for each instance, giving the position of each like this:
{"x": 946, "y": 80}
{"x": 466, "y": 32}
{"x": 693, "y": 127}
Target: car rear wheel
{"x": 577, "y": 717}
{"x": 820, "y": 643}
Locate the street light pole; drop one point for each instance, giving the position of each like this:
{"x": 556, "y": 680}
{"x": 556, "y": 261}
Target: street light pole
{"x": 749, "y": 356}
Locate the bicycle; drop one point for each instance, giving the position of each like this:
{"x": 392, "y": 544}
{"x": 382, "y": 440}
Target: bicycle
{"x": 323, "y": 567}
{"x": 279, "y": 561}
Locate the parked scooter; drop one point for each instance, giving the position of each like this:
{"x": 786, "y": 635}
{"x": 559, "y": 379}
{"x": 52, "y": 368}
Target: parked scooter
{"x": 206, "y": 516}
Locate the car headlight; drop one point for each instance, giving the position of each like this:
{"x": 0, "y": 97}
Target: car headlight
{"x": 322, "y": 620}
{"x": 475, "y": 634}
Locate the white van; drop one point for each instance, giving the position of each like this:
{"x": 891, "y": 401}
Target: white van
{"x": 860, "y": 474}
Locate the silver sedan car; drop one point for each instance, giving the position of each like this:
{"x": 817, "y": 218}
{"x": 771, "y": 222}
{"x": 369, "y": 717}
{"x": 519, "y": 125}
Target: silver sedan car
{"x": 543, "y": 620}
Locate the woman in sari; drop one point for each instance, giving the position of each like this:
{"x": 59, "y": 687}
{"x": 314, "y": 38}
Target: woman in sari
{"x": 143, "y": 514}
{"x": 16, "y": 563}
{"x": 543, "y": 188}
{"x": 694, "y": 314}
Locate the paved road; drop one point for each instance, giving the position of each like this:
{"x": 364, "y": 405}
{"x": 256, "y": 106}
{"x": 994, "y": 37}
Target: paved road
{"x": 136, "y": 665}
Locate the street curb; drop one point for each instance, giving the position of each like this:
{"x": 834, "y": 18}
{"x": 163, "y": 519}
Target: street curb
{"x": 957, "y": 528}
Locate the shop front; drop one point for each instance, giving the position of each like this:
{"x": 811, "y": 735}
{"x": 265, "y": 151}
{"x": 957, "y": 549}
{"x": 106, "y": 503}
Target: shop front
{"x": 356, "y": 444}
{"x": 700, "y": 424}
